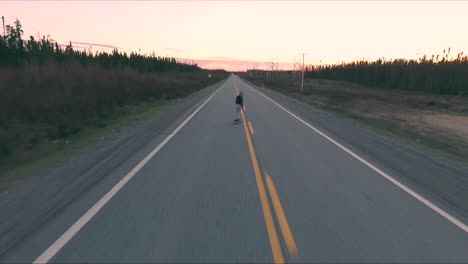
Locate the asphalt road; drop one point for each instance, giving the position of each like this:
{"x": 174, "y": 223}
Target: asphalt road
{"x": 270, "y": 189}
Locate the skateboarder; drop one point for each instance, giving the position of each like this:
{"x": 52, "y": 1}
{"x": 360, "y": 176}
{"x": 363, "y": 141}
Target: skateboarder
{"x": 239, "y": 106}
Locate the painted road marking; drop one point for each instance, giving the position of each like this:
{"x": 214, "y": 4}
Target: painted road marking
{"x": 251, "y": 128}
{"x": 283, "y": 222}
{"x": 374, "y": 168}
{"x": 271, "y": 230}
{"x": 270, "y": 225}
{"x": 53, "y": 249}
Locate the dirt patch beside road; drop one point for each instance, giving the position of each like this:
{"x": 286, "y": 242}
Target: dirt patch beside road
{"x": 457, "y": 124}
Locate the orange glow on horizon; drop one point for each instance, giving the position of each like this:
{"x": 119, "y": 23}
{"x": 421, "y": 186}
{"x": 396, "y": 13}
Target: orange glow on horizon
{"x": 237, "y": 35}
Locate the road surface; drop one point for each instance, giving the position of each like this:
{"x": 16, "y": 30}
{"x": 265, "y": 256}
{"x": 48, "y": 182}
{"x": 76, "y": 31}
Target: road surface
{"x": 271, "y": 189}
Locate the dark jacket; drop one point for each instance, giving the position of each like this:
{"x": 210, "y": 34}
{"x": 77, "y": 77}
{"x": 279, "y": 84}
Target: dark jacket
{"x": 240, "y": 100}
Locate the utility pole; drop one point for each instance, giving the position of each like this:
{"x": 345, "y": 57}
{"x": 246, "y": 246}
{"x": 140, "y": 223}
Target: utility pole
{"x": 267, "y": 71}
{"x": 272, "y": 65}
{"x": 294, "y": 68}
{"x": 302, "y": 82}
{"x": 297, "y": 67}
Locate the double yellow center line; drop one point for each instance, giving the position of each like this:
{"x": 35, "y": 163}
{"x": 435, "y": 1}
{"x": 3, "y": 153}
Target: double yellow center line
{"x": 270, "y": 225}
{"x": 272, "y": 234}
{"x": 283, "y": 222}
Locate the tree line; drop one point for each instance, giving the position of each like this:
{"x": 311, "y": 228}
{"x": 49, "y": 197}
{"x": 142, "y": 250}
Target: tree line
{"x": 435, "y": 74}
{"x": 15, "y": 51}
{"x": 49, "y": 93}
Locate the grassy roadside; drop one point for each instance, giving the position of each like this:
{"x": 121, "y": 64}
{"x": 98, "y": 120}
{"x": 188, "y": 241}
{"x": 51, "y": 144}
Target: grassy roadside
{"x": 43, "y": 107}
{"x": 54, "y": 152}
{"x": 380, "y": 116}
{"x": 394, "y": 129}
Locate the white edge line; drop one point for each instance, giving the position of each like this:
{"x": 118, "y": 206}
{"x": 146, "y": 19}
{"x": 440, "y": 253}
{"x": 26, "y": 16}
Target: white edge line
{"x": 368, "y": 164}
{"x": 53, "y": 249}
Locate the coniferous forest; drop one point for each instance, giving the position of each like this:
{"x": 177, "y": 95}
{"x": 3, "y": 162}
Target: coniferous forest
{"x": 49, "y": 91}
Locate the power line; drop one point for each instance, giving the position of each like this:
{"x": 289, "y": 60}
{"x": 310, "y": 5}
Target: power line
{"x": 271, "y": 67}
{"x": 297, "y": 66}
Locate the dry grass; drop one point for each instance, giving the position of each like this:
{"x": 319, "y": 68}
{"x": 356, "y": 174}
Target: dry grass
{"x": 51, "y": 101}
{"x": 437, "y": 121}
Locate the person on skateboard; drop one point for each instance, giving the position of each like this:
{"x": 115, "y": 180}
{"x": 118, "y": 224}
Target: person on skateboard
{"x": 239, "y": 106}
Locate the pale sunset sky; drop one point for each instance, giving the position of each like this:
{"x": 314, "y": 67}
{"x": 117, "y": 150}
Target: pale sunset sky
{"x": 236, "y": 35}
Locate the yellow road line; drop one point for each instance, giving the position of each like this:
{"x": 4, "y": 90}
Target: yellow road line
{"x": 287, "y": 234}
{"x": 270, "y": 226}
{"x": 251, "y": 128}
